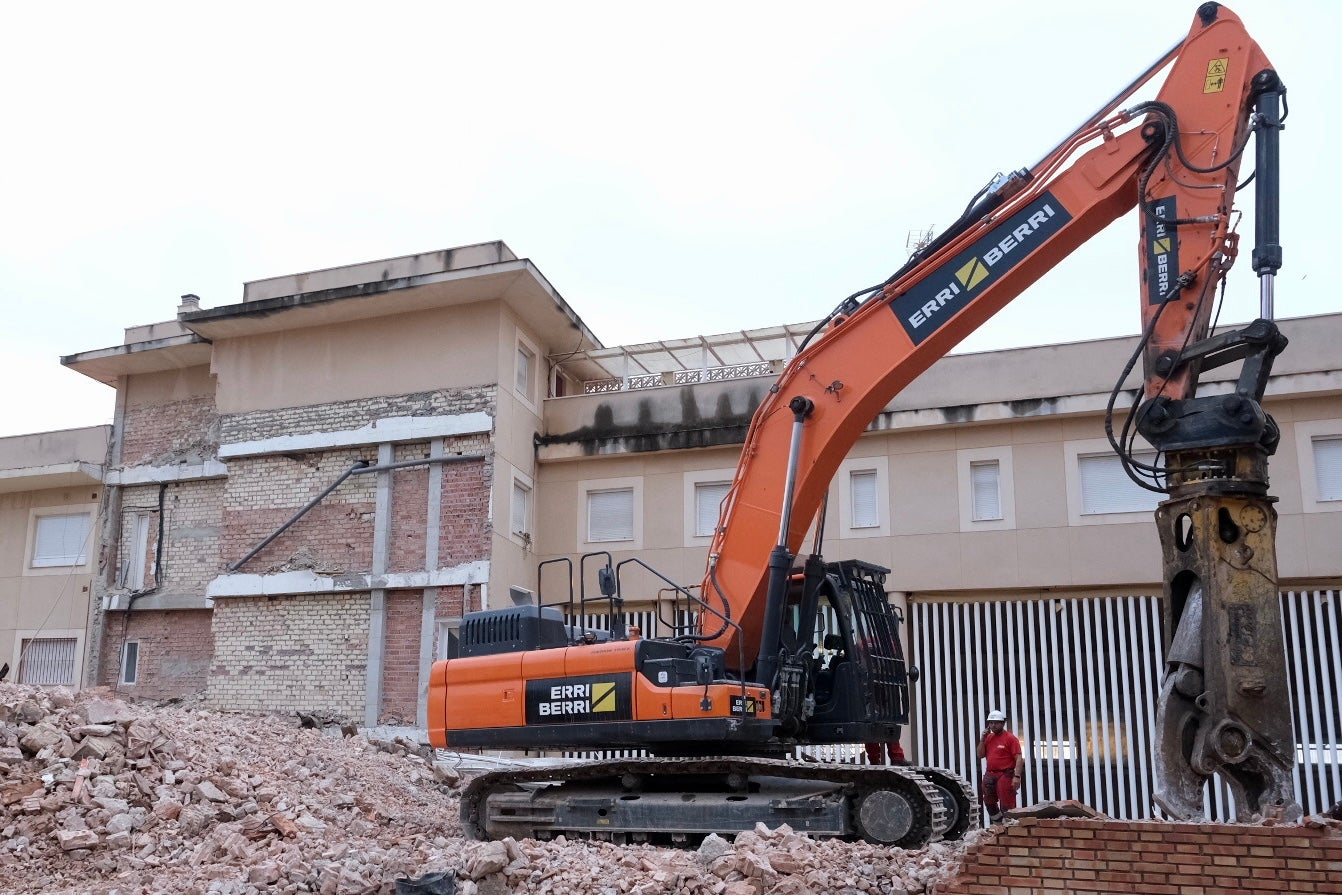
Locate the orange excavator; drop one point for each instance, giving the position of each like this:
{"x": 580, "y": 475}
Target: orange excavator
{"x": 715, "y": 711}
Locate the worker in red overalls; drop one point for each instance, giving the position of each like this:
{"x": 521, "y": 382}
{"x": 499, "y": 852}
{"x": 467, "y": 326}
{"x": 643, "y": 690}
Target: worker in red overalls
{"x": 1005, "y": 767}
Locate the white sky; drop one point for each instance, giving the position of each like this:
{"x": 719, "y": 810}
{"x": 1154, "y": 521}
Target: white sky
{"x": 673, "y": 170}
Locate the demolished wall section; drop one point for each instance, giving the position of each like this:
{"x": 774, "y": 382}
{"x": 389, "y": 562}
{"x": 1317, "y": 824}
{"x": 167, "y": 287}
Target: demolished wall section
{"x": 166, "y": 432}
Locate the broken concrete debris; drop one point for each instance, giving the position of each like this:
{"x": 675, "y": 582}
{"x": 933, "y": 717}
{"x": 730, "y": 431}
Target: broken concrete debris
{"x": 101, "y": 795}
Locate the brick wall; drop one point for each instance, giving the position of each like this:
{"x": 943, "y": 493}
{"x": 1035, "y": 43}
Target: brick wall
{"x": 343, "y": 415}
{"x": 409, "y": 511}
{"x": 191, "y": 535}
{"x": 400, "y": 665}
{"x": 1047, "y": 857}
{"x": 465, "y": 523}
{"x": 171, "y": 431}
{"x": 263, "y": 493}
{"x": 285, "y": 654}
{"x": 174, "y": 651}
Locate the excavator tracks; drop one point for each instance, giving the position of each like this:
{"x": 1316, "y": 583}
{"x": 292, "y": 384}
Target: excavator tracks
{"x": 681, "y": 800}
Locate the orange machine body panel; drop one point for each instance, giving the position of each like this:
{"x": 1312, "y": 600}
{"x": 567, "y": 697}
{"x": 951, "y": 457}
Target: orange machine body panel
{"x": 485, "y": 692}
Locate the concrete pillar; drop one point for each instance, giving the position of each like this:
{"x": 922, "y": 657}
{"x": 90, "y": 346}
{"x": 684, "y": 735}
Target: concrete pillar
{"x": 377, "y": 615}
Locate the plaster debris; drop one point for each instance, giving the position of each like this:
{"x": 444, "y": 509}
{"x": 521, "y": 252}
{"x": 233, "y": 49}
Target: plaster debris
{"x": 104, "y": 796}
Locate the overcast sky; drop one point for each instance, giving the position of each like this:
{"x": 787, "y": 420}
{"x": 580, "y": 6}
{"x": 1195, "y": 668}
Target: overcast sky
{"x": 673, "y": 170}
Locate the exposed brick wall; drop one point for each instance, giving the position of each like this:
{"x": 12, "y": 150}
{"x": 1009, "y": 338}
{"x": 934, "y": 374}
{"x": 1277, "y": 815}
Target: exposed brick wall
{"x": 174, "y": 430}
{"x": 409, "y": 511}
{"x": 343, "y": 415}
{"x": 465, "y": 523}
{"x": 191, "y": 535}
{"x": 263, "y": 493}
{"x": 1046, "y": 857}
{"x": 175, "y": 648}
{"x": 400, "y": 664}
{"x": 451, "y": 601}
{"x": 281, "y": 654}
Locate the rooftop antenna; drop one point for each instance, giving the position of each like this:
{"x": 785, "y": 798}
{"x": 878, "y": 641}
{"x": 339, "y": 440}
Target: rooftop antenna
{"x": 918, "y": 240}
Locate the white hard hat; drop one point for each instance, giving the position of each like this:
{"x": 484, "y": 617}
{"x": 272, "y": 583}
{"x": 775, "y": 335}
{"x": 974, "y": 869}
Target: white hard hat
{"x": 996, "y": 715}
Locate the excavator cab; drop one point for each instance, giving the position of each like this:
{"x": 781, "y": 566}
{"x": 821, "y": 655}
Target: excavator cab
{"x": 856, "y": 679}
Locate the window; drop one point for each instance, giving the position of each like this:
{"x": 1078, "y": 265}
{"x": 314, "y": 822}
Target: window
{"x": 130, "y": 662}
{"x": 610, "y": 512}
{"x": 1327, "y": 467}
{"x": 1106, "y": 488}
{"x": 525, "y": 370}
{"x": 708, "y": 497}
{"x": 864, "y": 505}
{"x": 704, "y": 490}
{"x": 47, "y": 660}
{"x": 1318, "y": 450}
{"x": 860, "y": 493}
{"x": 520, "y": 517}
{"x": 985, "y": 481}
{"x": 136, "y": 566}
{"x": 62, "y": 540}
{"x": 610, "y": 515}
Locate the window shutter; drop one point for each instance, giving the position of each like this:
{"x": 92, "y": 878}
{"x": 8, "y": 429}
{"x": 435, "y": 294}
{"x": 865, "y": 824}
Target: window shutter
{"x": 521, "y": 499}
{"x": 985, "y": 478}
{"x": 1106, "y": 488}
{"x": 708, "y": 497}
{"x": 48, "y": 660}
{"x": 1328, "y": 468}
{"x": 610, "y": 515}
{"x": 62, "y": 540}
{"x": 866, "y": 508}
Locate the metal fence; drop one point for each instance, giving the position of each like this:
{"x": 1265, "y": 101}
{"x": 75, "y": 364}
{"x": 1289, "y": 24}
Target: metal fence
{"x": 1079, "y": 679}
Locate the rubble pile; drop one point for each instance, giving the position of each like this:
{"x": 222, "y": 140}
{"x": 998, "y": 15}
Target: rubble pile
{"x": 762, "y": 862}
{"x": 102, "y": 796}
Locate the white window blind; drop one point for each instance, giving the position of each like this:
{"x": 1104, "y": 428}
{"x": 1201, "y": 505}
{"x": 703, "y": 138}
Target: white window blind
{"x": 708, "y": 498}
{"x": 866, "y": 509}
{"x": 524, "y": 358}
{"x": 137, "y": 557}
{"x": 49, "y": 660}
{"x": 130, "y": 662}
{"x": 521, "y": 508}
{"x": 62, "y": 540}
{"x": 1328, "y": 467}
{"x": 985, "y": 480}
{"x": 610, "y": 515}
{"x": 1106, "y": 488}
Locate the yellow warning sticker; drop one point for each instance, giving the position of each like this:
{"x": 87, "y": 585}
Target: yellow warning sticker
{"x": 1162, "y": 246}
{"x": 603, "y": 697}
{"x": 972, "y": 274}
{"x": 1216, "y": 75}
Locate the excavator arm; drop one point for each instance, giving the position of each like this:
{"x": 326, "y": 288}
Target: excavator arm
{"x": 1177, "y": 159}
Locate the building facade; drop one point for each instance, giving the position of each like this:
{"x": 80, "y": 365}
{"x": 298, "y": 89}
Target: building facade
{"x": 306, "y": 490}
{"x": 50, "y": 492}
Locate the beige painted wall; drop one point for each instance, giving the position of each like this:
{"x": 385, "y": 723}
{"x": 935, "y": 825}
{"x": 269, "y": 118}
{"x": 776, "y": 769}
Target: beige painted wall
{"x": 516, "y": 422}
{"x": 87, "y": 445}
{"x": 169, "y": 385}
{"x": 1047, "y": 547}
{"x": 406, "y": 353}
{"x": 43, "y": 602}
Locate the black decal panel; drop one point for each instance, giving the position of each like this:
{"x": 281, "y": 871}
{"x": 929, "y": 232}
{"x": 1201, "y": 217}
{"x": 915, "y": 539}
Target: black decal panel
{"x": 926, "y": 307}
{"x": 1162, "y": 250}
{"x": 565, "y": 700}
